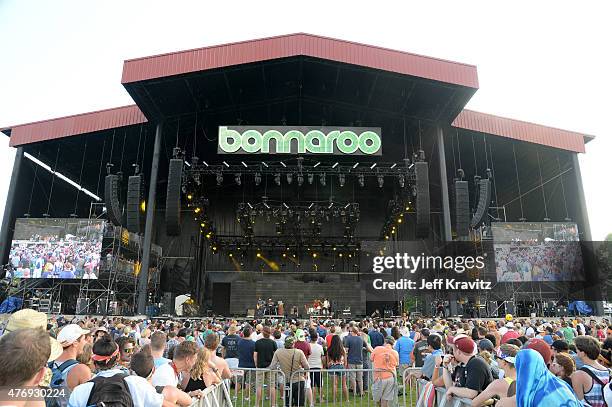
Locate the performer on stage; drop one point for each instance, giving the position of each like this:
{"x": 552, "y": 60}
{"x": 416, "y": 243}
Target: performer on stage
{"x": 326, "y": 307}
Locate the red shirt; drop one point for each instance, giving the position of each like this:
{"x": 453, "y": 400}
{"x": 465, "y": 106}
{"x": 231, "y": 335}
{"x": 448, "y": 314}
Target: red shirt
{"x": 304, "y": 347}
{"x": 328, "y": 339}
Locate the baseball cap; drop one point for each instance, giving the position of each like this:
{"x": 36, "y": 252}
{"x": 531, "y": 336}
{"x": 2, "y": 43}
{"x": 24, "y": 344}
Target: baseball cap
{"x": 465, "y": 344}
{"x": 509, "y": 324}
{"x": 70, "y": 334}
{"x": 509, "y": 335}
{"x": 289, "y": 341}
{"x": 485, "y": 344}
{"x": 507, "y": 358}
{"x": 541, "y": 347}
{"x": 451, "y": 339}
{"x": 299, "y": 335}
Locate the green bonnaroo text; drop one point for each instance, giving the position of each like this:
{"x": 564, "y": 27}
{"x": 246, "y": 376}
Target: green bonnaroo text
{"x": 299, "y": 140}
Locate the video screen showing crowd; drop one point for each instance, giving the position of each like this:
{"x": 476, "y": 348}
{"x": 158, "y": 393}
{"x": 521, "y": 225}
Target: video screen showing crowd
{"x": 56, "y": 249}
{"x": 526, "y": 252}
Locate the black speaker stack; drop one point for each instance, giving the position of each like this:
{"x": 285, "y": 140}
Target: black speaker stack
{"x": 173, "y": 197}
{"x": 135, "y": 198}
{"x": 484, "y": 197}
{"x": 112, "y": 199}
{"x": 421, "y": 170}
{"x": 462, "y": 208}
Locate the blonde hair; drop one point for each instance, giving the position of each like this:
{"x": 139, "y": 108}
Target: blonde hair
{"x": 201, "y": 364}
{"x": 486, "y": 356}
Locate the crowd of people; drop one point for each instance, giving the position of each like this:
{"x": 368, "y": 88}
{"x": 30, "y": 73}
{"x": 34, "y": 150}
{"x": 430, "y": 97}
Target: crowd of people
{"x": 52, "y": 257}
{"x": 518, "y": 362}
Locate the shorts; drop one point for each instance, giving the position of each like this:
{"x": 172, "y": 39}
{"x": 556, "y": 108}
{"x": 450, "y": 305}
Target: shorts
{"x": 315, "y": 377}
{"x": 264, "y": 377}
{"x": 383, "y": 389}
{"x": 337, "y": 370}
{"x": 355, "y": 375}
{"x": 244, "y": 376}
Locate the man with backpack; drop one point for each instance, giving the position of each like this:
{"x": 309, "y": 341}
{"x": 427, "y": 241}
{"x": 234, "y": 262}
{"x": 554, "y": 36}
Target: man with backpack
{"x": 66, "y": 371}
{"x": 111, "y": 386}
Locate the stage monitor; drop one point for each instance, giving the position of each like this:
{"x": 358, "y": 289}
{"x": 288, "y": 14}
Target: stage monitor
{"x": 544, "y": 251}
{"x": 62, "y": 248}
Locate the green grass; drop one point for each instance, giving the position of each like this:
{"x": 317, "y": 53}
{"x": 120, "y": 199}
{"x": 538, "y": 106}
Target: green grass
{"x": 328, "y": 401}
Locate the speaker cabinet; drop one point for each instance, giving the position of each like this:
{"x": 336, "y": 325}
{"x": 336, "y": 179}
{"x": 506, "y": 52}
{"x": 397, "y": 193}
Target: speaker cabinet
{"x": 135, "y": 197}
{"x": 173, "y": 198}
{"x": 462, "y": 208}
{"x": 112, "y": 199}
{"x": 421, "y": 170}
{"x": 484, "y": 197}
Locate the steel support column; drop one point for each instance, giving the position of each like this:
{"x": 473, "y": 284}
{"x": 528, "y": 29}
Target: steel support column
{"x": 143, "y": 277}
{"x": 446, "y": 219}
{"x": 8, "y": 220}
{"x": 444, "y": 185}
{"x": 583, "y": 218}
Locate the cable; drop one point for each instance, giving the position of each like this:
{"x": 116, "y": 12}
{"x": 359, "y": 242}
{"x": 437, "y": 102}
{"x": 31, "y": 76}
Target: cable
{"x": 494, "y": 181}
{"x": 35, "y": 177}
{"x": 562, "y": 188}
{"x": 518, "y": 182}
{"x": 101, "y": 163}
{"x": 474, "y": 152}
{"x": 484, "y": 137}
{"x": 405, "y": 143}
{"x": 454, "y": 162}
{"x": 542, "y": 185}
{"x": 138, "y": 150}
{"x": 76, "y": 201}
{"x": 458, "y": 149}
{"x": 52, "y": 180}
{"x": 122, "y": 151}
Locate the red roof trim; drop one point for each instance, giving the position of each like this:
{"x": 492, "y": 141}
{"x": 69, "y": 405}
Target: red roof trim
{"x": 521, "y": 130}
{"x": 75, "y": 124}
{"x": 237, "y": 53}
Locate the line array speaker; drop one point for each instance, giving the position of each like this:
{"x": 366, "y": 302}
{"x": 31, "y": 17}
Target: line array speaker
{"x": 484, "y": 197}
{"x": 462, "y": 208}
{"x": 173, "y": 198}
{"x": 421, "y": 170}
{"x": 135, "y": 197}
{"x": 112, "y": 200}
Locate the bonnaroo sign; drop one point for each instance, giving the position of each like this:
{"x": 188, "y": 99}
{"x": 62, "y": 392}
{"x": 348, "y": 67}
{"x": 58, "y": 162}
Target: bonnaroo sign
{"x": 299, "y": 140}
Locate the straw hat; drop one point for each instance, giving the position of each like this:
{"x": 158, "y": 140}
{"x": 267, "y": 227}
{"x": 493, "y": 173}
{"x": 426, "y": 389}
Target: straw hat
{"x": 28, "y": 318}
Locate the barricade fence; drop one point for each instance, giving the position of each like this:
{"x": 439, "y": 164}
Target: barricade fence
{"x": 250, "y": 387}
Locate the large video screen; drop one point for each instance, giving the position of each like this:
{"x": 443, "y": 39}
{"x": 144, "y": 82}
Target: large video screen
{"x": 56, "y": 248}
{"x": 547, "y": 251}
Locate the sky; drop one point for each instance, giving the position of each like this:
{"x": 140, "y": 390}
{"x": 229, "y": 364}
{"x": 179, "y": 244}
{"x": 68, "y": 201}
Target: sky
{"x": 547, "y": 61}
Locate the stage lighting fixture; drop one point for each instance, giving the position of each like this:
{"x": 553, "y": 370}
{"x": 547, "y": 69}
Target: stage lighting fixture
{"x": 197, "y": 210}
{"x": 231, "y": 255}
{"x": 310, "y": 178}
{"x": 341, "y": 179}
{"x": 315, "y": 255}
{"x": 209, "y": 235}
{"x": 277, "y": 178}
{"x": 361, "y": 180}
{"x": 219, "y": 178}
{"x": 189, "y": 197}
{"x": 381, "y": 181}
{"x": 339, "y": 254}
{"x": 300, "y": 179}
{"x": 335, "y": 165}
{"x": 184, "y": 189}
{"x": 401, "y": 181}
{"x": 203, "y": 225}
{"x": 317, "y": 164}
{"x": 322, "y": 179}
{"x": 399, "y": 220}
{"x": 259, "y": 255}
{"x": 238, "y": 180}
{"x": 257, "y": 178}
{"x": 289, "y": 178}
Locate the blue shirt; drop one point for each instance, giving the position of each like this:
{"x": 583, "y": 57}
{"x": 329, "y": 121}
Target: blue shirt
{"x": 246, "y": 348}
{"x": 404, "y": 347}
{"x": 160, "y": 361}
{"x": 430, "y": 363}
{"x": 354, "y": 345}
{"x": 376, "y": 338}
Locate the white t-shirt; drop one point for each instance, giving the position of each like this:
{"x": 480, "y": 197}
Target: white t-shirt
{"x": 143, "y": 394}
{"x": 529, "y": 332}
{"x": 316, "y": 352}
{"x": 164, "y": 376}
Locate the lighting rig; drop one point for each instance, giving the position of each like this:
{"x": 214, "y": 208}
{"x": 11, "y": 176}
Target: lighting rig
{"x": 301, "y": 171}
{"x": 396, "y": 210}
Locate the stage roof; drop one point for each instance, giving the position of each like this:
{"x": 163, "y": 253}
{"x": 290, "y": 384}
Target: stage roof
{"x": 297, "y": 70}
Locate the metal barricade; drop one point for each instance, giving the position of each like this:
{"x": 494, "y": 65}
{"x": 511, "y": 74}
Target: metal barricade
{"x": 257, "y": 387}
{"x": 342, "y": 387}
{"x": 410, "y": 387}
{"x": 214, "y": 396}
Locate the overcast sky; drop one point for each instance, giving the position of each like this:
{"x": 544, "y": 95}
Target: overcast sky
{"x": 540, "y": 61}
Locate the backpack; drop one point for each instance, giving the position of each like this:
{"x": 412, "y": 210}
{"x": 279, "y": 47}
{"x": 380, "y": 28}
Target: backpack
{"x": 110, "y": 392}
{"x": 597, "y": 380}
{"x": 58, "y": 381}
